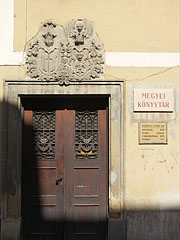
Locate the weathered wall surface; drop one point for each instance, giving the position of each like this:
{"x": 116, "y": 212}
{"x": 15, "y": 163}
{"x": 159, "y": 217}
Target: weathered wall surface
{"x": 150, "y": 190}
{"x": 152, "y": 171}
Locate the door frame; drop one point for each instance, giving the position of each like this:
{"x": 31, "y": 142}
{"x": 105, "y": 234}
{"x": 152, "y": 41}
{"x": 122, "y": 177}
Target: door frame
{"x": 14, "y": 90}
{"x": 65, "y": 106}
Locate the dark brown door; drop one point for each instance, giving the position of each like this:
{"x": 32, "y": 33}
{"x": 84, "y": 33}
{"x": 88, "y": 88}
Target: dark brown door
{"x": 65, "y": 170}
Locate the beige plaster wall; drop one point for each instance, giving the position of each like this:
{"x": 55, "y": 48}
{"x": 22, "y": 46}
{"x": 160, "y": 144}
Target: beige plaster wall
{"x": 127, "y": 26}
{"x": 152, "y": 174}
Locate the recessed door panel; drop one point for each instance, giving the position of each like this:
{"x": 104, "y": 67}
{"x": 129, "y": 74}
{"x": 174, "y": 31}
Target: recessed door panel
{"x": 85, "y": 182}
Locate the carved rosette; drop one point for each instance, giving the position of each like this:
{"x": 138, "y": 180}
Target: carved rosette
{"x": 65, "y": 54}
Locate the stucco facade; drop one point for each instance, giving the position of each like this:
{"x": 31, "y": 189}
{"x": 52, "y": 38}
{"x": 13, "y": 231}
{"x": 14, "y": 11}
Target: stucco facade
{"x": 141, "y": 42}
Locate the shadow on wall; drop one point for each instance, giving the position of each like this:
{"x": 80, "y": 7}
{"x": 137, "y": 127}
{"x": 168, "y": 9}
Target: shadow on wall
{"x": 42, "y": 214}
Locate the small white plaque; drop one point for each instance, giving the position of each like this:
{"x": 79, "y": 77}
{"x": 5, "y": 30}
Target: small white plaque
{"x": 153, "y": 100}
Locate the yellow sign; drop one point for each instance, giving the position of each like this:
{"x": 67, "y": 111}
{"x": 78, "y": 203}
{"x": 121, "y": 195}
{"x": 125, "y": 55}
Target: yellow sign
{"x": 152, "y": 133}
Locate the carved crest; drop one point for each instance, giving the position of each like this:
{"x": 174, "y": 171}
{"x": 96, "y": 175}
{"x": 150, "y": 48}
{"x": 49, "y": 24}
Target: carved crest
{"x": 65, "y": 54}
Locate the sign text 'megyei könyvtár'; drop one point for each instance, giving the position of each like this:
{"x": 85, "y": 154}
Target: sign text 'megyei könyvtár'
{"x": 153, "y": 100}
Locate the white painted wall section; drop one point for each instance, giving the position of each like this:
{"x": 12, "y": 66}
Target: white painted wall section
{"x": 6, "y": 25}
{"x": 7, "y": 56}
{"x": 139, "y": 59}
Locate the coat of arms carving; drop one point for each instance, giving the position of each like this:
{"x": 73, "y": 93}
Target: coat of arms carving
{"x": 65, "y": 54}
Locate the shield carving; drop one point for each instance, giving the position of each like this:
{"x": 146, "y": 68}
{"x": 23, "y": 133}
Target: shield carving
{"x": 65, "y": 54}
{"x": 48, "y": 62}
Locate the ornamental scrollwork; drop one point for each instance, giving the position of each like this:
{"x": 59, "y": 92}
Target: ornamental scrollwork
{"x": 43, "y": 124}
{"x": 65, "y": 54}
{"x": 86, "y": 134}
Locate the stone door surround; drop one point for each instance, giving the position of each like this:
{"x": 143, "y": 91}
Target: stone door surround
{"x": 14, "y": 91}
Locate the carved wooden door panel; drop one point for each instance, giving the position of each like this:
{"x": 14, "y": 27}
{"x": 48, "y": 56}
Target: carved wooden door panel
{"x": 43, "y": 196}
{"x": 86, "y": 171}
{"x": 65, "y": 174}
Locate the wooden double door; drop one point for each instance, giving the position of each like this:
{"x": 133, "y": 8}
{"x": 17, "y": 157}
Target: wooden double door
{"x": 64, "y": 185}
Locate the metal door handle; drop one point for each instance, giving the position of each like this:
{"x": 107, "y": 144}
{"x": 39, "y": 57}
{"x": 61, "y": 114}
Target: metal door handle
{"x": 59, "y": 180}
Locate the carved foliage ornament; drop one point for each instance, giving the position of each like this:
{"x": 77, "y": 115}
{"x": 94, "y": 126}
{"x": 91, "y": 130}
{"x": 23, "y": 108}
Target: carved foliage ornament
{"x": 65, "y": 54}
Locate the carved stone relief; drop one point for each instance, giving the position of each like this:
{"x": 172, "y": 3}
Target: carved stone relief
{"x": 65, "y": 54}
